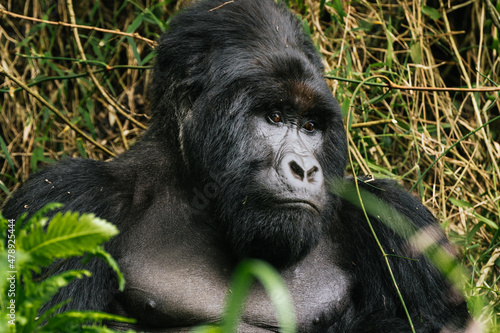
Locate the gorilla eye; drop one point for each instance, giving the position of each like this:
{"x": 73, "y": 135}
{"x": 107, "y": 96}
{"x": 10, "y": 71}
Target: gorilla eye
{"x": 275, "y": 117}
{"x": 310, "y": 126}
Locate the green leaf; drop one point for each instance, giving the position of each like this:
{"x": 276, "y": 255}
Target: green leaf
{"x": 38, "y": 218}
{"x": 470, "y": 235}
{"x": 461, "y": 203}
{"x": 339, "y": 8}
{"x": 40, "y": 242}
{"x": 86, "y": 115}
{"x": 245, "y": 273}
{"x": 62, "y": 322}
{"x": 345, "y": 111}
{"x": 475, "y": 305}
{"x": 50, "y": 286}
{"x": 67, "y": 235}
{"x": 112, "y": 263}
{"x": 81, "y": 147}
{"x": 148, "y": 58}
{"x": 416, "y": 53}
{"x": 433, "y": 13}
{"x": 36, "y": 156}
{"x": 136, "y": 23}
{"x": 5, "y": 151}
{"x": 489, "y": 222}
{"x": 207, "y": 329}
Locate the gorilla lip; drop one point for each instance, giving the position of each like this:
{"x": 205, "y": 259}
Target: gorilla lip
{"x": 300, "y": 203}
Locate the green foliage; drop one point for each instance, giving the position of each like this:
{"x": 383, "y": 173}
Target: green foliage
{"x": 433, "y": 13}
{"x": 32, "y": 244}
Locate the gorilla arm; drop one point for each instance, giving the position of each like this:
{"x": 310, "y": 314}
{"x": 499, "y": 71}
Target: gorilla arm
{"x": 376, "y": 303}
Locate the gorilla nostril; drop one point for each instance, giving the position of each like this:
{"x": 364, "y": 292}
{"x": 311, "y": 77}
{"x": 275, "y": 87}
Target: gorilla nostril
{"x": 312, "y": 173}
{"x": 297, "y": 170}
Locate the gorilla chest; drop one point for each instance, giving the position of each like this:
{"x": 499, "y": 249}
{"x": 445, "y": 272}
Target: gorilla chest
{"x": 167, "y": 299}
{"x": 319, "y": 292}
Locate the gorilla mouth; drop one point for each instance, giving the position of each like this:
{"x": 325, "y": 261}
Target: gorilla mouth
{"x": 302, "y": 204}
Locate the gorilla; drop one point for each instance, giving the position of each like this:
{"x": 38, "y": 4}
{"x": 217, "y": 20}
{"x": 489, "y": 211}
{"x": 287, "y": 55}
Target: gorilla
{"x": 245, "y": 157}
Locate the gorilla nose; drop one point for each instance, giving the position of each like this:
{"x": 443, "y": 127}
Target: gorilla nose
{"x": 299, "y": 172}
{"x": 302, "y": 171}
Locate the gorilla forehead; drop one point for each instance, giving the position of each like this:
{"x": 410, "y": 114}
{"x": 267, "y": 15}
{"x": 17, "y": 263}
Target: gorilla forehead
{"x": 283, "y": 78}
{"x": 258, "y": 24}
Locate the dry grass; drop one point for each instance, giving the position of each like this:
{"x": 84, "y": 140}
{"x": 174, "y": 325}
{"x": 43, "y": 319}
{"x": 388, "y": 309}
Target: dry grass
{"x": 448, "y": 44}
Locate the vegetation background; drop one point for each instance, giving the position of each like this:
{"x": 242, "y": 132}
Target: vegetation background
{"x": 443, "y": 143}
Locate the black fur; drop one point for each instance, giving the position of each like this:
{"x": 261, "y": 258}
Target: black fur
{"x": 216, "y": 179}
{"x": 432, "y": 302}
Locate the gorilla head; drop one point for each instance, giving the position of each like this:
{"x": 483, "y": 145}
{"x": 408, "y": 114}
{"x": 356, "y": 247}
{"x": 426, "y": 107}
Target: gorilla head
{"x": 245, "y": 102}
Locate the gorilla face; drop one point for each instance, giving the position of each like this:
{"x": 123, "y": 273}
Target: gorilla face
{"x": 270, "y": 138}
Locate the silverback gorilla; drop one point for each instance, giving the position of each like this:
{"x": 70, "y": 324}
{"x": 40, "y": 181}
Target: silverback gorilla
{"x": 243, "y": 146}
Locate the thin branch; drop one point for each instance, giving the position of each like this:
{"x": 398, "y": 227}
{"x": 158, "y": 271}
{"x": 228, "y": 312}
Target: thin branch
{"x": 71, "y": 25}
{"x": 392, "y": 85}
{"x": 375, "y": 122}
{"x": 225, "y": 3}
